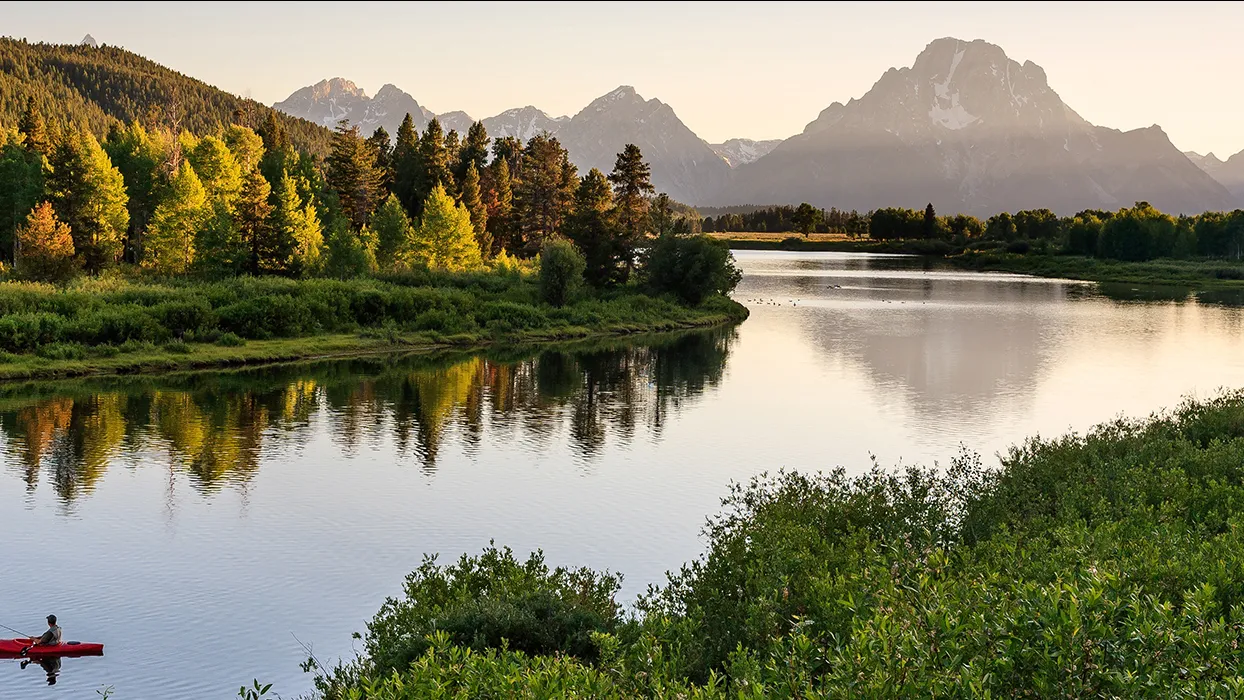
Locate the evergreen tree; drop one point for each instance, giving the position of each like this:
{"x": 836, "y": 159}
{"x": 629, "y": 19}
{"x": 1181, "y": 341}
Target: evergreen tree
{"x": 444, "y": 238}
{"x": 217, "y": 168}
{"x": 453, "y": 150}
{"x": 594, "y": 229}
{"x": 22, "y": 173}
{"x": 349, "y": 254}
{"x": 382, "y": 149}
{"x": 929, "y": 226}
{"x": 88, "y": 194}
{"x": 142, "y": 158}
{"x": 545, "y": 194}
{"x": 252, "y": 216}
{"x": 31, "y": 126}
{"x": 279, "y": 156}
{"x": 475, "y": 206}
{"x": 661, "y": 215}
{"x": 352, "y": 175}
{"x": 393, "y": 230}
{"x": 245, "y": 145}
{"x": 170, "y": 240}
{"x": 500, "y": 204}
{"x": 474, "y": 151}
{"x": 632, "y": 182}
{"x": 509, "y": 149}
{"x": 434, "y": 162}
{"x": 406, "y": 166}
{"x": 272, "y": 133}
{"x": 44, "y": 247}
{"x": 296, "y": 235}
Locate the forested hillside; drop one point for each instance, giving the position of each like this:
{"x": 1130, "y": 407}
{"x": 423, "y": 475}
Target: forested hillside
{"x": 97, "y": 86}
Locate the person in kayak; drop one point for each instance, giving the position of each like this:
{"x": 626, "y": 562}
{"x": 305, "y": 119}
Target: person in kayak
{"x": 52, "y": 637}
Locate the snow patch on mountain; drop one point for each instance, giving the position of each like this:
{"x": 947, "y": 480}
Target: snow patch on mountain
{"x": 738, "y": 152}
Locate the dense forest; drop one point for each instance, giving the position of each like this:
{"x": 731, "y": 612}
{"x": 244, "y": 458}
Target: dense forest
{"x": 97, "y": 87}
{"x": 784, "y": 219}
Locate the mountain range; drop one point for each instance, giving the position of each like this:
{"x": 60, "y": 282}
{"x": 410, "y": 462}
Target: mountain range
{"x": 1229, "y": 172}
{"x": 964, "y": 127}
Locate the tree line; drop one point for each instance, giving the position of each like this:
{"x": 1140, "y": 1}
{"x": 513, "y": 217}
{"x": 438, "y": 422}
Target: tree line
{"x": 1137, "y": 233}
{"x": 803, "y": 219}
{"x": 239, "y": 200}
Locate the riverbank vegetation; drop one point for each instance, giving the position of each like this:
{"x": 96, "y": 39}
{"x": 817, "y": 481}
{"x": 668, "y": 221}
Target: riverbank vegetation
{"x": 158, "y": 242}
{"x": 1100, "y": 565}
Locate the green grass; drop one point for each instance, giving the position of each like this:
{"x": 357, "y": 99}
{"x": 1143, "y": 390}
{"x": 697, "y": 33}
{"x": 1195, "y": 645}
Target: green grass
{"x": 119, "y": 326}
{"x": 1188, "y": 274}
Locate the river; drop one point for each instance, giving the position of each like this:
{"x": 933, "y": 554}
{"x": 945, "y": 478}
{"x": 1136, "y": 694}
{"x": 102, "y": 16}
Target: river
{"x": 201, "y": 525}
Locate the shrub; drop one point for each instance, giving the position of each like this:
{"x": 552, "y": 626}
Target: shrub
{"x": 482, "y": 600}
{"x": 177, "y": 346}
{"x": 182, "y": 317}
{"x": 62, "y": 351}
{"x": 230, "y": 340}
{"x": 561, "y": 271}
{"x": 691, "y": 268}
{"x": 25, "y": 332}
{"x": 1018, "y": 247}
{"x": 115, "y": 325}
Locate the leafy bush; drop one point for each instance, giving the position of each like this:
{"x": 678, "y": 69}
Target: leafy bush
{"x": 691, "y": 268}
{"x": 230, "y": 340}
{"x": 182, "y": 317}
{"x": 561, "y": 271}
{"x": 1018, "y": 247}
{"x": 482, "y": 600}
{"x": 1109, "y": 564}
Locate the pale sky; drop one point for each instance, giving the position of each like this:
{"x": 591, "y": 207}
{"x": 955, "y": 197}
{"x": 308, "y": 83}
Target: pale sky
{"x": 756, "y": 69}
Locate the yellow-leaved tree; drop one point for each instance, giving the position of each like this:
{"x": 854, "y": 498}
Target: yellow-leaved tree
{"x": 44, "y": 249}
{"x": 444, "y": 238}
{"x": 170, "y": 245}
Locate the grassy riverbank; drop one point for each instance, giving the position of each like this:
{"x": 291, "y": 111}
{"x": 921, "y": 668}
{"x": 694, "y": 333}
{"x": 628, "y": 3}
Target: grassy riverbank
{"x": 1109, "y": 564}
{"x": 119, "y": 326}
{"x": 1190, "y": 274}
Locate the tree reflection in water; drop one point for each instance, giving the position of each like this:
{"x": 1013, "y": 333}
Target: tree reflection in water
{"x": 215, "y": 427}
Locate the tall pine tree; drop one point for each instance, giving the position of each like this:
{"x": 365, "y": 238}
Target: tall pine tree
{"x": 434, "y": 162}
{"x": 21, "y": 185}
{"x": 142, "y": 158}
{"x": 31, "y": 126}
{"x": 545, "y": 194}
{"x": 475, "y": 207}
{"x": 252, "y": 219}
{"x": 352, "y": 175}
{"x": 382, "y": 149}
{"x": 594, "y": 229}
{"x": 474, "y": 151}
{"x": 406, "y": 165}
{"x": 632, "y": 183}
{"x": 88, "y": 194}
{"x": 184, "y": 209}
{"x": 499, "y": 200}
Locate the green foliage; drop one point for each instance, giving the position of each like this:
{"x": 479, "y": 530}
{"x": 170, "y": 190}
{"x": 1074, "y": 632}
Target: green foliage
{"x": 632, "y": 182}
{"x": 252, "y": 215}
{"x": 353, "y": 175}
{"x": 1109, "y": 564}
{"x": 475, "y": 206}
{"x": 561, "y": 272}
{"x": 892, "y": 223}
{"x": 140, "y": 156}
{"x": 218, "y": 170}
{"x": 100, "y": 87}
{"x": 88, "y": 194}
{"x": 806, "y": 218}
{"x": 481, "y": 601}
{"x": 544, "y": 193}
{"x": 444, "y": 239}
{"x": 393, "y": 233}
{"x": 406, "y": 165}
{"x": 349, "y": 254}
{"x": 499, "y": 200}
{"x": 22, "y": 172}
{"x": 170, "y": 240}
{"x": 433, "y": 164}
{"x": 594, "y": 229}
{"x": 293, "y": 247}
{"x": 691, "y": 268}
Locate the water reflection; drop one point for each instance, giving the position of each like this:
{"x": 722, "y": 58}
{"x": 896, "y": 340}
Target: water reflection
{"x": 215, "y": 427}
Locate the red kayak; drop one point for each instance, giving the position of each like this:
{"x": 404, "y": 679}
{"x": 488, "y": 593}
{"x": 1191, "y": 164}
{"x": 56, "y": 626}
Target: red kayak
{"x": 14, "y": 648}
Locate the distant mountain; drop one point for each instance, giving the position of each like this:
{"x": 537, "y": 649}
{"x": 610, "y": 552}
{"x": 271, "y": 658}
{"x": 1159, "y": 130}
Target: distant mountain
{"x": 88, "y": 40}
{"x": 99, "y": 86}
{"x": 523, "y": 123}
{"x": 458, "y": 121}
{"x": 969, "y": 129}
{"x": 738, "y": 152}
{"x": 330, "y": 101}
{"x": 683, "y": 165}
{"x": 1229, "y": 172}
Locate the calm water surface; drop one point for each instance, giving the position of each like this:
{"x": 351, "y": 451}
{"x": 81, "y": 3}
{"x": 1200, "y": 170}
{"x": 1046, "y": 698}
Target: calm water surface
{"x": 196, "y": 524}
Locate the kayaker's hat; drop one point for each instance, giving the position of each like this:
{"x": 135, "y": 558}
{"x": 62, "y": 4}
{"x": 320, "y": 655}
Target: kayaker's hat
{"x": 51, "y": 619}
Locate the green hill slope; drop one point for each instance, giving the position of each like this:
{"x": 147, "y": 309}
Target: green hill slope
{"x": 98, "y": 86}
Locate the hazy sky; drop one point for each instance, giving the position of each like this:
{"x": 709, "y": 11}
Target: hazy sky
{"x": 755, "y": 69}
